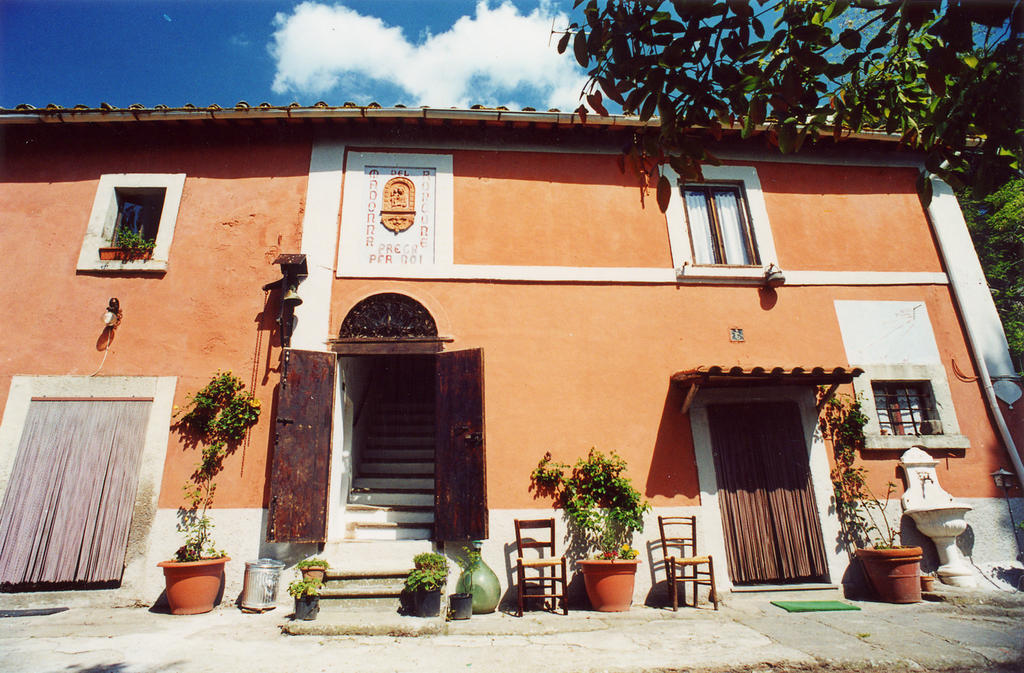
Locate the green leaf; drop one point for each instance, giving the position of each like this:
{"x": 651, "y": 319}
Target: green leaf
{"x": 563, "y": 42}
{"x": 971, "y": 61}
{"x": 787, "y": 137}
{"x": 664, "y": 193}
{"x": 579, "y": 47}
{"x": 850, "y": 39}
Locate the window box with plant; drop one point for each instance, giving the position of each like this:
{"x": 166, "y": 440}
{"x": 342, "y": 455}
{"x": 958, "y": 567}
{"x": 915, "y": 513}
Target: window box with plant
{"x": 425, "y": 583}
{"x": 128, "y": 245}
{"x": 216, "y": 418}
{"x": 893, "y": 570}
{"x": 306, "y": 592}
{"x": 604, "y": 510}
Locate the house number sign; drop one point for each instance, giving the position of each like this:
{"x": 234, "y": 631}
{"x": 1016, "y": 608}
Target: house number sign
{"x": 399, "y": 227}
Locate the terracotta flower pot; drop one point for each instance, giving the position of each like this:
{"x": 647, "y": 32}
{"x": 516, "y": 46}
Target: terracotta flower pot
{"x": 314, "y": 572}
{"x": 610, "y": 583}
{"x": 192, "y": 587}
{"x": 894, "y": 574}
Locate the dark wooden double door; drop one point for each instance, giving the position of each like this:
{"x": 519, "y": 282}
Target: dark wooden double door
{"x": 769, "y": 515}
{"x": 300, "y": 466}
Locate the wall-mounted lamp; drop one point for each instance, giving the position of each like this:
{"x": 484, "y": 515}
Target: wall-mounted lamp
{"x": 1004, "y": 480}
{"x": 112, "y": 314}
{"x": 773, "y": 276}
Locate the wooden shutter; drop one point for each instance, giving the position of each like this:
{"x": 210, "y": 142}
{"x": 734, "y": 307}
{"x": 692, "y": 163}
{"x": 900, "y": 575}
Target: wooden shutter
{"x": 460, "y": 489}
{"x": 769, "y": 515}
{"x": 300, "y": 473}
{"x": 69, "y": 501}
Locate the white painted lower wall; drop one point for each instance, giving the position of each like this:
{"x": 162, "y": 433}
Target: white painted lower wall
{"x": 988, "y": 544}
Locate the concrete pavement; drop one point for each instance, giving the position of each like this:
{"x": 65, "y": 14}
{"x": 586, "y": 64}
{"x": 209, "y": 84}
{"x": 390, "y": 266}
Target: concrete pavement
{"x": 969, "y": 631}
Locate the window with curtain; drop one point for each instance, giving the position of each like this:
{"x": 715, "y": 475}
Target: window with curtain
{"x": 719, "y": 225}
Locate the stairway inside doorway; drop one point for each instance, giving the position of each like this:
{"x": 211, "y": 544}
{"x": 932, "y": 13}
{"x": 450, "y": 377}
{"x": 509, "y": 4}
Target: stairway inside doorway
{"x": 392, "y": 495}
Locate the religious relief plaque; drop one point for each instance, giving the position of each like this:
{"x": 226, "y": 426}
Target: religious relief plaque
{"x": 398, "y": 208}
{"x": 399, "y": 227}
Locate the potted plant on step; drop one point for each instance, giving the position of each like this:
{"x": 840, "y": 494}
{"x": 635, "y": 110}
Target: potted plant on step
{"x": 215, "y": 418}
{"x": 605, "y": 510}
{"x": 306, "y": 592}
{"x": 313, "y": 568}
{"x": 893, "y": 570}
{"x": 426, "y": 581}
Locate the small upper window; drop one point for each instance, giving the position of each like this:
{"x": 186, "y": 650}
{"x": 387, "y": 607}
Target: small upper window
{"x": 719, "y": 225}
{"x": 138, "y": 214}
{"x": 906, "y": 408}
{"x": 132, "y": 222}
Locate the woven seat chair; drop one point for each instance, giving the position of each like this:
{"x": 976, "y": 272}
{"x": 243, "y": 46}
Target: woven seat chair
{"x": 682, "y": 563}
{"x": 544, "y": 576}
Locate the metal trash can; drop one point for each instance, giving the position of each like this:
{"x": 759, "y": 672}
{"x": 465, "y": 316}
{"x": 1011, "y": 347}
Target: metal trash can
{"x": 259, "y": 592}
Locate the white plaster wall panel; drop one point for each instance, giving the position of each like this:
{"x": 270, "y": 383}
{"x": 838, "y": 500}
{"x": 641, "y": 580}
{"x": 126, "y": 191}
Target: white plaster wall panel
{"x": 361, "y": 207}
{"x": 887, "y": 332}
{"x": 965, "y": 273}
{"x": 319, "y": 241}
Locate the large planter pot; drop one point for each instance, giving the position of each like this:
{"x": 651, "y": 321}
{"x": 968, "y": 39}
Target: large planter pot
{"x": 193, "y": 586}
{"x": 894, "y": 574}
{"x": 609, "y": 583}
{"x": 307, "y": 608}
{"x": 428, "y": 603}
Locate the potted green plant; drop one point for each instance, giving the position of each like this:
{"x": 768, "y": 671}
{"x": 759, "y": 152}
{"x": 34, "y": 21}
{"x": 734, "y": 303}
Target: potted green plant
{"x": 313, "y": 568}
{"x": 604, "y": 511}
{"x": 306, "y": 592}
{"x": 893, "y": 570}
{"x": 215, "y": 418}
{"x": 128, "y": 245}
{"x": 426, "y": 581}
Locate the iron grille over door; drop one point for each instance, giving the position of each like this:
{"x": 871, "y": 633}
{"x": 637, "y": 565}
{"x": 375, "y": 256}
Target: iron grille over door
{"x": 69, "y": 501}
{"x": 769, "y": 516}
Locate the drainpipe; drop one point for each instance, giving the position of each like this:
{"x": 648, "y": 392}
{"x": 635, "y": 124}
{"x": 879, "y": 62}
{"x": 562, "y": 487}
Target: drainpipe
{"x": 945, "y": 235}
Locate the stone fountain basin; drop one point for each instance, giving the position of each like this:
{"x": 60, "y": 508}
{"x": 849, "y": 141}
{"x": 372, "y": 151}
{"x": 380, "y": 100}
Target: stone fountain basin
{"x": 942, "y": 521}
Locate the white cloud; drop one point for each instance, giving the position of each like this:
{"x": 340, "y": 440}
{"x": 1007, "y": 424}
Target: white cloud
{"x": 497, "y": 56}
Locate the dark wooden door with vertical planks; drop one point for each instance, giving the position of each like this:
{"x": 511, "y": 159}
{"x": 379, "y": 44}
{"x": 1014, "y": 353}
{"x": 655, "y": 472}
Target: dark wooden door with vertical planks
{"x": 460, "y": 491}
{"x": 300, "y": 472}
{"x": 769, "y": 515}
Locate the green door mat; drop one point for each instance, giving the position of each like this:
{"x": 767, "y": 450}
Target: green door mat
{"x": 814, "y": 606}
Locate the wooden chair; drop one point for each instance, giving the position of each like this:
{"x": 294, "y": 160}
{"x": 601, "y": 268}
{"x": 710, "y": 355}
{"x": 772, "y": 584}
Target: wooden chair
{"x": 682, "y": 563}
{"x": 538, "y": 583}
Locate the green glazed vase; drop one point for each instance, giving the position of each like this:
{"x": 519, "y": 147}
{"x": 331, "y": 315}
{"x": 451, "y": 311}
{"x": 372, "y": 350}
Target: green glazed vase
{"x": 481, "y": 581}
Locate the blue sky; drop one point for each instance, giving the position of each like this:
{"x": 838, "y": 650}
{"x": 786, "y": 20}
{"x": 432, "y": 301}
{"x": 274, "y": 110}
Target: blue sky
{"x": 439, "y": 53}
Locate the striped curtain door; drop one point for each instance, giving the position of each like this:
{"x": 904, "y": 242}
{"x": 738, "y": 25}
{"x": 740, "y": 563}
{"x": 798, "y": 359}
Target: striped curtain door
{"x": 65, "y": 516}
{"x": 769, "y": 515}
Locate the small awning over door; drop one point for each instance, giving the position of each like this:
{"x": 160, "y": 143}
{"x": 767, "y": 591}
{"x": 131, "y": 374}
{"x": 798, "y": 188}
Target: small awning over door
{"x": 722, "y": 376}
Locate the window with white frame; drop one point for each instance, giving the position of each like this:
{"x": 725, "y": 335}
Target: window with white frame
{"x": 719, "y": 227}
{"x": 903, "y": 391}
{"x": 132, "y": 222}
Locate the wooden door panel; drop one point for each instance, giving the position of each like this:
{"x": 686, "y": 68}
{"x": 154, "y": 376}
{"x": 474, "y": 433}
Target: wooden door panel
{"x": 300, "y": 471}
{"x": 460, "y": 492}
{"x": 769, "y": 515}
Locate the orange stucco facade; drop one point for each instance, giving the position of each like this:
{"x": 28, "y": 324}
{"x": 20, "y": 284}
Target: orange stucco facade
{"x": 571, "y": 361}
